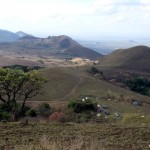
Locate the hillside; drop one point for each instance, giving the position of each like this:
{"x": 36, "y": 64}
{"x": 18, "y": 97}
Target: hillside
{"x": 79, "y": 51}
{"x": 9, "y": 60}
{"x": 21, "y": 33}
{"x": 65, "y": 83}
{"x": 135, "y": 58}
{"x": 7, "y": 36}
{"x": 56, "y": 46}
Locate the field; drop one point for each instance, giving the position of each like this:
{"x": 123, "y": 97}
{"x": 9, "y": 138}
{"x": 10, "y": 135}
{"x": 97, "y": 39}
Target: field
{"x": 128, "y": 131}
{"x": 54, "y": 136}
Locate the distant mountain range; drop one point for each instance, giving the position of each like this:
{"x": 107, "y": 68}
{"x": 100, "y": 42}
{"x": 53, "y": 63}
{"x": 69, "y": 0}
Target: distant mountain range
{"x": 22, "y": 34}
{"x": 58, "y": 46}
{"x": 136, "y": 58}
{"x": 7, "y": 36}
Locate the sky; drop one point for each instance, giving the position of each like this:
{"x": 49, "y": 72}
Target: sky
{"x": 82, "y": 19}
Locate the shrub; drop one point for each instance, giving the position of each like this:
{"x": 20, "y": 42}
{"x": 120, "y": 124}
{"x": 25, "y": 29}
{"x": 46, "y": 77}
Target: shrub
{"x": 44, "y": 110}
{"x": 139, "y": 84}
{"x": 79, "y": 106}
{"x": 25, "y": 110}
{"x": 3, "y": 107}
{"x": 57, "y": 116}
{"x": 32, "y": 113}
{"x": 13, "y": 106}
{"x": 81, "y": 118}
{"x": 23, "y": 68}
{"x": 5, "y": 116}
{"x": 94, "y": 70}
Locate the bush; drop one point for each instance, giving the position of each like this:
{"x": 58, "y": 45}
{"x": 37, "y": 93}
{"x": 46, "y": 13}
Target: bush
{"x": 25, "y": 110}
{"x": 139, "y": 84}
{"x": 3, "y": 107}
{"x": 82, "y": 118}
{"x": 44, "y": 110}
{"x": 5, "y": 116}
{"x": 79, "y": 106}
{"x": 94, "y": 70}
{"x": 32, "y": 113}
{"x": 13, "y": 106}
{"x": 57, "y": 116}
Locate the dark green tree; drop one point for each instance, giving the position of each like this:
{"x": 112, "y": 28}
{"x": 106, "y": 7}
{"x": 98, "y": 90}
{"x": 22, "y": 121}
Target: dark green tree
{"x": 140, "y": 85}
{"x": 18, "y": 85}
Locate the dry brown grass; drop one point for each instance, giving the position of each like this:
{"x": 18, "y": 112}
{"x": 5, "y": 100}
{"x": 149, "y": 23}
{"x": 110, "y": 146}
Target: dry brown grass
{"x": 12, "y": 60}
{"x": 13, "y": 136}
{"x": 135, "y": 58}
{"x": 65, "y": 83}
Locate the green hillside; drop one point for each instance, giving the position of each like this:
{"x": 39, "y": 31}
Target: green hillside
{"x": 61, "y": 82}
{"x": 135, "y": 58}
{"x": 75, "y": 83}
{"x": 128, "y": 131}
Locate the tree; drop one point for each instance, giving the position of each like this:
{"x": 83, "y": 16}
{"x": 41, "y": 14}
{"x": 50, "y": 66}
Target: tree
{"x": 18, "y": 85}
{"x": 139, "y": 84}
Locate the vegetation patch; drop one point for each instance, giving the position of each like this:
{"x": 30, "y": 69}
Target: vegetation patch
{"x": 73, "y": 136}
{"x": 132, "y": 118}
{"x": 139, "y": 85}
{"x": 80, "y": 106}
{"x": 44, "y": 109}
{"x": 16, "y": 85}
{"x": 23, "y": 68}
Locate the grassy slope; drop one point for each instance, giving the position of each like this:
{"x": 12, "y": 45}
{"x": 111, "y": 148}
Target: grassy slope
{"x": 6, "y": 61}
{"x": 73, "y": 136}
{"x": 135, "y": 58}
{"x": 102, "y": 89}
{"x": 62, "y": 80}
{"x": 79, "y": 51}
{"x": 60, "y": 83}
{"x": 70, "y": 136}
{"x": 77, "y": 84}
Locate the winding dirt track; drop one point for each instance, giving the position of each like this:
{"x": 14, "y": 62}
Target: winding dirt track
{"x": 72, "y": 92}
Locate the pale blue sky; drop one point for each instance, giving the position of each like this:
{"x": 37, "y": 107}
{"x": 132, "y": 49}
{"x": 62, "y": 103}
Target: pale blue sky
{"x": 83, "y": 19}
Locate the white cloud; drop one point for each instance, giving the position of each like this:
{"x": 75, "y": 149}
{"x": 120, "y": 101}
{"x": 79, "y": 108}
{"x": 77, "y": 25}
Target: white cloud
{"x": 146, "y": 2}
{"x": 117, "y": 2}
{"x": 120, "y": 18}
{"x": 76, "y": 17}
{"x": 106, "y": 2}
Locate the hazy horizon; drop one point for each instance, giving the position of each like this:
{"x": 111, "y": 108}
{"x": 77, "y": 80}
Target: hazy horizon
{"x": 86, "y": 19}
